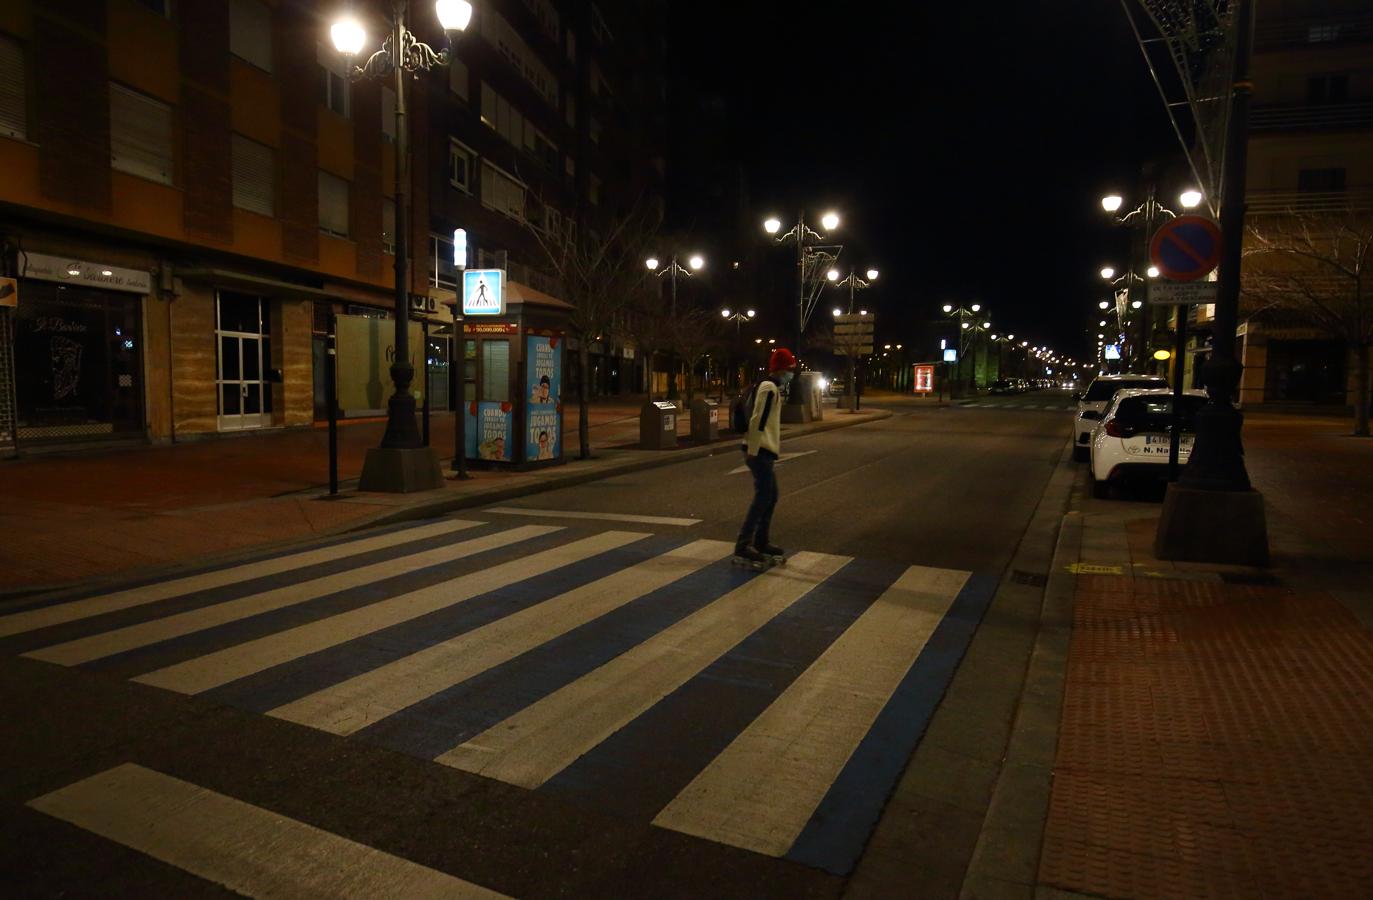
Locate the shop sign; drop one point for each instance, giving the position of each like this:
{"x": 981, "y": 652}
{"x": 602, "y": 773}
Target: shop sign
{"x": 483, "y": 292}
{"x": 490, "y": 328}
{"x": 90, "y": 274}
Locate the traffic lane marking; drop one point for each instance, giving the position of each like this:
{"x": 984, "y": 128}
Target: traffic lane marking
{"x": 243, "y": 847}
{"x": 785, "y": 457}
{"x": 579, "y": 514}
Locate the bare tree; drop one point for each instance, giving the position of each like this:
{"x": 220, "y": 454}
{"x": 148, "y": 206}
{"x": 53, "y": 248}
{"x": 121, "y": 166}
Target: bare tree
{"x": 599, "y": 274}
{"x": 645, "y": 323}
{"x": 1319, "y": 267}
{"x": 691, "y": 333}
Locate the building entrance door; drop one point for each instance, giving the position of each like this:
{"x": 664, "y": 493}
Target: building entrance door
{"x": 243, "y": 334}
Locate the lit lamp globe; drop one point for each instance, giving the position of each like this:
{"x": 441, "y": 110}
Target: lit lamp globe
{"x": 1104, "y": 304}
{"x": 838, "y": 311}
{"x": 772, "y": 225}
{"x": 986, "y": 324}
{"x": 453, "y": 15}
{"x": 872, "y": 274}
{"x": 1107, "y": 272}
{"x": 724, "y": 313}
{"x": 651, "y": 262}
{"x": 751, "y": 313}
{"x": 948, "y": 308}
{"x": 975, "y": 307}
{"x": 1152, "y": 271}
{"x": 348, "y": 36}
{"x": 830, "y": 220}
{"x": 1111, "y": 202}
{"x": 1190, "y": 199}
{"x": 832, "y": 274}
{"x": 697, "y": 262}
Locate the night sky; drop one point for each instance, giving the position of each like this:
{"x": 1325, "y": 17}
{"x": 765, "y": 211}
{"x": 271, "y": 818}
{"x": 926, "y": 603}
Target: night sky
{"x": 965, "y": 144}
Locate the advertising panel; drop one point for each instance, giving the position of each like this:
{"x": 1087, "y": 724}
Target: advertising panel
{"x": 493, "y": 430}
{"x": 543, "y": 413}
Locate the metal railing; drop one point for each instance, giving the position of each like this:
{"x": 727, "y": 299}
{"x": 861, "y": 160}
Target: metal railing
{"x": 1358, "y": 199}
{"x": 1304, "y": 116}
{"x": 1313, "y": 32}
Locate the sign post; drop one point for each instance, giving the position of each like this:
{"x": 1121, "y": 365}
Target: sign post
{"x": 853, "y": 338}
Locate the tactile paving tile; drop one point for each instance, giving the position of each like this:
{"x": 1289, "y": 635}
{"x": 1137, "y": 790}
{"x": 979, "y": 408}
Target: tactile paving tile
{"x": 1216, "y": 741}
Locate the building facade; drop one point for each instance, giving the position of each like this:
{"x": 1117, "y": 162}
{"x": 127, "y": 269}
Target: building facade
{"x": 195, "y": 191}
{"x": 1310, "y": 155}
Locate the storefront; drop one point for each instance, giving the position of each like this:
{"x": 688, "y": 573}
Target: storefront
{"x": 77, "y": 347}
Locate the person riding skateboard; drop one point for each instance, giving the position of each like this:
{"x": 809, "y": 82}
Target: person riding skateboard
{"x": 762, "y": 446}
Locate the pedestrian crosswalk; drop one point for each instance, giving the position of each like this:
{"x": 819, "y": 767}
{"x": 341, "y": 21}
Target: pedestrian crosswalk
{"x": 982, "y": 404}
{"x": 637, "y": 671}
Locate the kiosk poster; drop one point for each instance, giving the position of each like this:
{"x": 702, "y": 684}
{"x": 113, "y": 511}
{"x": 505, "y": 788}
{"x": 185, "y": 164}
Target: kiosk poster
{"x": 494, "y": 434}
{"x": 543, "y": 414}
{"x": 469, "y": 432}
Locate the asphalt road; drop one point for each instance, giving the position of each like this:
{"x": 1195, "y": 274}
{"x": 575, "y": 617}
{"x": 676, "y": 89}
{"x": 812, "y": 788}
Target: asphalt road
{"x": 534, "y": 703}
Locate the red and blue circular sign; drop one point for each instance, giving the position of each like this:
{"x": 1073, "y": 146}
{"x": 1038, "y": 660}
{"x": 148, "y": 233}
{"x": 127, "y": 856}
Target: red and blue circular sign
{"x": 1186, "y": 248}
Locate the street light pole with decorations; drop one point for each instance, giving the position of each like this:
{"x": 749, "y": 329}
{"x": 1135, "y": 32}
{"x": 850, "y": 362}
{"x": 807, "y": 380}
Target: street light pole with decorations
{"x": 402, "y": 463}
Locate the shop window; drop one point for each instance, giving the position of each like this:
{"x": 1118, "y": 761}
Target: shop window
{"x": 333, "y": 205}
{"x": 254, "y": 167}
{"x": 495, "y": 362}
{"x": 140, "y": 135}
{"x": 13, "y": 90}
{"x": 250, "y": 32}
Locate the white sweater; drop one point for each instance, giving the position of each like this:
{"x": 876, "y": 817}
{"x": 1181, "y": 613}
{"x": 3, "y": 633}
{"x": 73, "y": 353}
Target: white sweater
{"x": 765, "y": 434}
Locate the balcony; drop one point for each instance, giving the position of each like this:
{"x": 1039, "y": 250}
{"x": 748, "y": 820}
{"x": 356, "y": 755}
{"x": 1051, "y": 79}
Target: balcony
{"x": 1355, "y": 199}
{"x": 1311, "y": 117}
{"x": 1286, "y": 34}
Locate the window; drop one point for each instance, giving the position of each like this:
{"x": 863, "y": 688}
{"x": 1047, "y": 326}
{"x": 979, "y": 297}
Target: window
{"x": 547, "y": 15}
{"x": 571, "y": 45}
{"x": 522, "y": 59}
{"x": 333, "y": 205}
{"x": 250, "y": 32}
{"x": 1321, "y": 34}
{"x": 333, "y": 80}
{"x": 253, "y": 167}
{"x": 497, "y": 113}
{"x": 593, "y": 190}
{"x": 460, "y": 160}
{"x": 571, "y": 111}
{"x": 595, "y": 129}
{"x": 13, "y": 90}
{"x": 1328, "y": 88}
{"x": 388, "y": 113}
{"x": 496, "y": 371}
{"x": 570, "y": 165}
{"x": 388, "y": 225}
{"x": 140, "y": 135}
{"x": 459, "y": 81}
{"x": 501, "y": 192}
{"x": 1320, "y": 180}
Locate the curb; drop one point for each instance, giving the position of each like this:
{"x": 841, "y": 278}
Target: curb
{"x": 429, "y": 509}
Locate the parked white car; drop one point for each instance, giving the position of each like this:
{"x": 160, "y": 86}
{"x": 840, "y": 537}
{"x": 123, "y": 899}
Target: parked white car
{"x": 1092, "y": 403}
{"x": 1133, "y": 437}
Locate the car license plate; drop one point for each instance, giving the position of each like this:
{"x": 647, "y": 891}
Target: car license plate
{"x": 1156, "y": 445}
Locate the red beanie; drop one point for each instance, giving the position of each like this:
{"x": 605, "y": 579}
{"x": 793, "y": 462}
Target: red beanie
{"x": 781, "y": 359}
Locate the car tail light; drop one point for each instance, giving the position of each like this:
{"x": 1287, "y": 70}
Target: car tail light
{"x": 1113, "y": 429}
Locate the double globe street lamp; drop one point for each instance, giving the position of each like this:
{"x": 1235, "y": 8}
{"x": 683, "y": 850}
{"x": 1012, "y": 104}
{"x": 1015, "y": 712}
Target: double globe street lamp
{"x": 849, "y": 348}
{"x": 697, "y": 262}
{"x": 402, "y": 463}
{"x": 795, "y": 410}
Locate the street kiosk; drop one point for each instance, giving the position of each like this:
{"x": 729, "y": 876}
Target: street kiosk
{"x": 511, "y": 354}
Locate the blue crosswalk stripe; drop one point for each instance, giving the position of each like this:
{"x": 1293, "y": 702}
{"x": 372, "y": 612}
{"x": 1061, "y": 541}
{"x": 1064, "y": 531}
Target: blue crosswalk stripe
{"x": 638, "y": 672}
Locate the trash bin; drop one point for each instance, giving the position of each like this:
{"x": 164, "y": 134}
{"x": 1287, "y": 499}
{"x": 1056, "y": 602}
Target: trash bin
{"x": 705, "y": 420}
{"x": 658, "y": 426}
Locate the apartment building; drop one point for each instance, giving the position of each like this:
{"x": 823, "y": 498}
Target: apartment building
{"x": 193, "y": 190}
{"x": 1310, "y": 153}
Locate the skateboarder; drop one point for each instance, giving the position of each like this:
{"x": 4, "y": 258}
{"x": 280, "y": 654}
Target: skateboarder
{"x": 763, "y": 445}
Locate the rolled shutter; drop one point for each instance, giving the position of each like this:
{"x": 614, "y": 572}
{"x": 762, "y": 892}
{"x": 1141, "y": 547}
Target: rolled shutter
{"x": 333, "y": 204}
{"x": 140, "y": 135}
{"x": 253, "y": 168}
{"x": 13, "y": 93}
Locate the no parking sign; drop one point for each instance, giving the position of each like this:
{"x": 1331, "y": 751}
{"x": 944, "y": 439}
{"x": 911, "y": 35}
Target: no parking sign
{"x": 1187, "y": 248}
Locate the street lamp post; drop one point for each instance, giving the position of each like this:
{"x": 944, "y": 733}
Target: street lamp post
{"x": 697, "y": 262}
{"x": 795, "y": 409}
{"x": 402, "y": 463}
{"x": 963, "y": 315}
{"x": 739, "y": 317}
{"x": 854, "y": 284}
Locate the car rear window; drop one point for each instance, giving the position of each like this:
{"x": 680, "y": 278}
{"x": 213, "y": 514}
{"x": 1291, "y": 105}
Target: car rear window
{"x": 1100, "y": 391}
{"x": 1153, "y": 414}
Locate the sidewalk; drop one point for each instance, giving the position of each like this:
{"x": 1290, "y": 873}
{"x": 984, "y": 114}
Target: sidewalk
{"x": 83, "y": 515}
{"x": 1216, "y": 726}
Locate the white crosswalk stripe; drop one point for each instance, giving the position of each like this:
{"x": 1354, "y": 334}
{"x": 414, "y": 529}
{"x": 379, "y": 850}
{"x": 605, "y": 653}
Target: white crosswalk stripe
{"x": 245, "y": 848}
{"x": 57, "y": 614}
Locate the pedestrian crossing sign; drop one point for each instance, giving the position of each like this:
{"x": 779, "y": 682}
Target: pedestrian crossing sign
{"x": 483, "y": 292}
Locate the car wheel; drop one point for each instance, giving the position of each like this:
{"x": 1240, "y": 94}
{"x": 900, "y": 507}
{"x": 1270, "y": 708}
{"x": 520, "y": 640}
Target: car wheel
{"x": 1081, "y": 454}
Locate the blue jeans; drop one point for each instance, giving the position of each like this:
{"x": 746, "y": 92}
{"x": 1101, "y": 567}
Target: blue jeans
{"x": 758, "y": 521}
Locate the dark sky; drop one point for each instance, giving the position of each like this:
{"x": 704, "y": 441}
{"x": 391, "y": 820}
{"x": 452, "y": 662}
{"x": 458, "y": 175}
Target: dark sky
{"x": 966, "y": 144}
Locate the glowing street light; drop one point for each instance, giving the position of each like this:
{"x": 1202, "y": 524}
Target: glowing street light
{"x": 1152, "y": 271}
{"x": 652, "y": 263}
{"x": 832, "y": 275}
{"x": 872, "y": 274}
{"x": 696, "y": 262}
{"x": 1111, "y": 202}
{"x": 772, "y": 226}
{"x": 1104, "y": 304}
{"x": 1190, "y": 198}
{"x": 1107, "y": 272}
{"x": 830, "y": 221}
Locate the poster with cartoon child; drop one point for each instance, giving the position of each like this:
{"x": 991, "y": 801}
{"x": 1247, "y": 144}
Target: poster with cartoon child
{"x": 494, "y": 440}
{"x": 543, "y": 414}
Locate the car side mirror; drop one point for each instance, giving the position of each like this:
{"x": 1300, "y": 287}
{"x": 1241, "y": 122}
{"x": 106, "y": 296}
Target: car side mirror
{"x": 1090, "y": 414}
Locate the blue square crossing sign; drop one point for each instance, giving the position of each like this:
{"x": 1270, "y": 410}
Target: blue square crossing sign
{"x": 483, "y": 292}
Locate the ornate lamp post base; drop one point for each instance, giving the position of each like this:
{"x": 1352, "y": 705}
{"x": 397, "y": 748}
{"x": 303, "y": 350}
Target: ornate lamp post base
{"x": 401, "y": 470}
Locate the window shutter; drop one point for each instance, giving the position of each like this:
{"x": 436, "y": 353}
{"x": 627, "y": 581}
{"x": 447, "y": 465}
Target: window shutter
{"x": 253, "y": 168}
{"x": 333, "y": 204}
{"x": 13, "y": 94}
{"x": 250, "y": 32}
{"x": 140, "y": 135}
